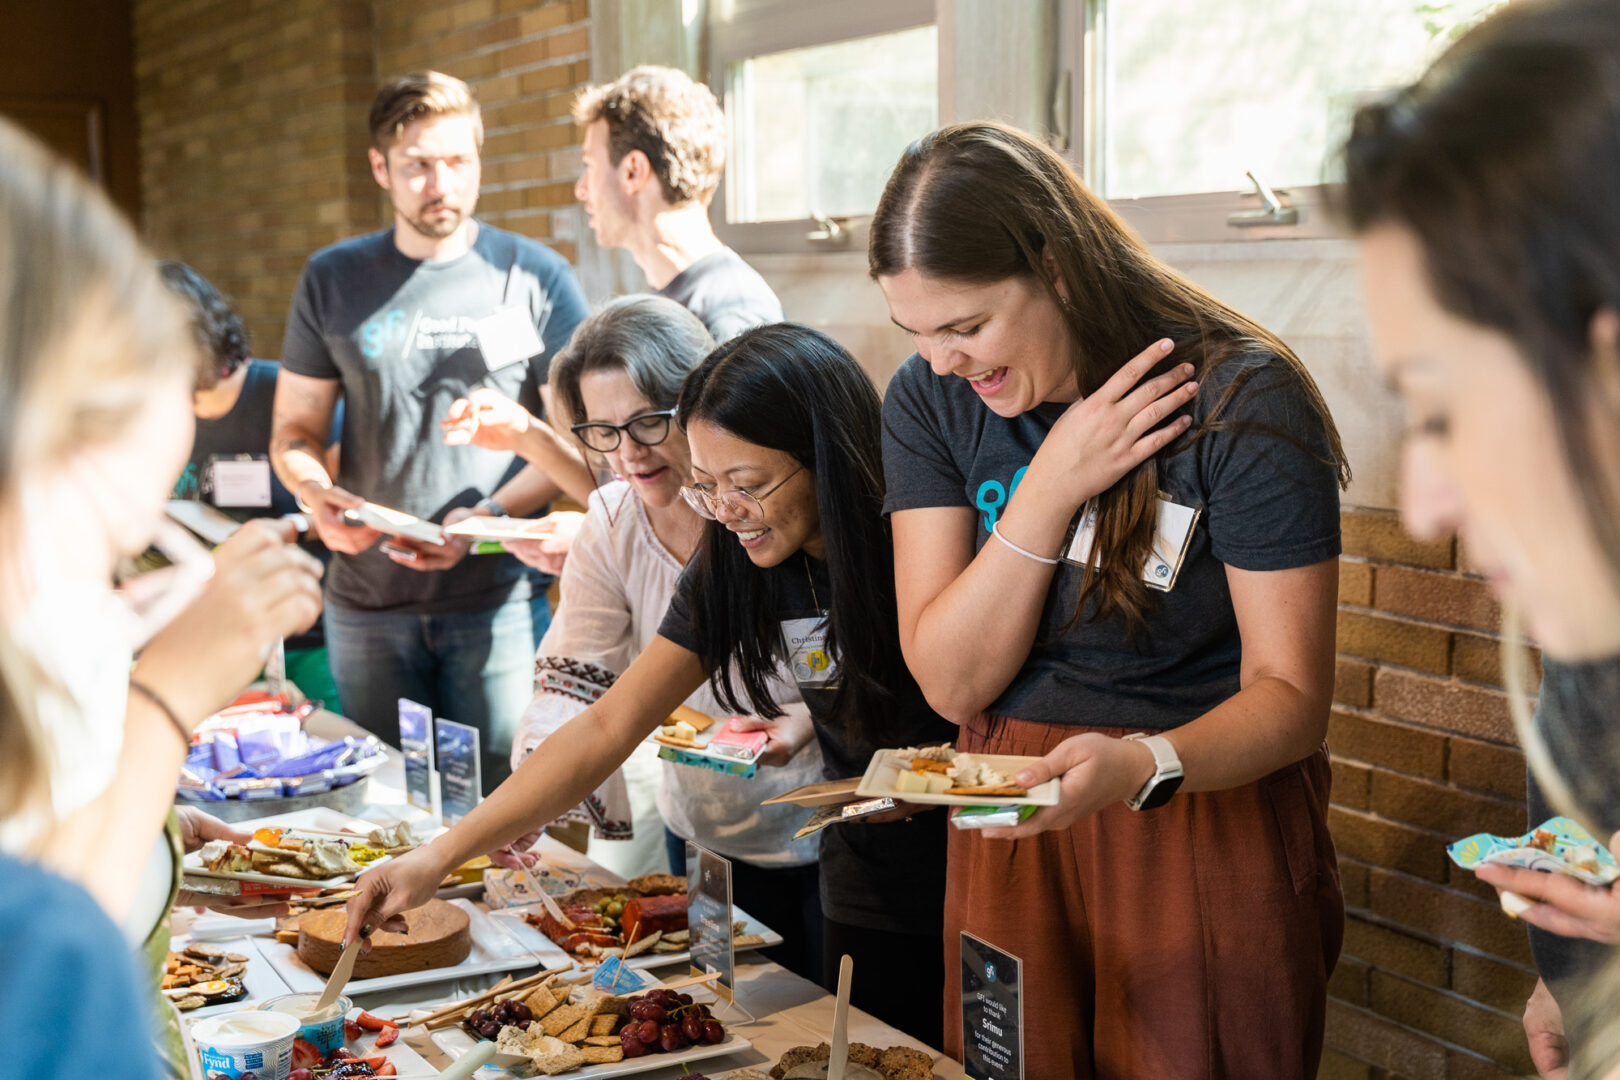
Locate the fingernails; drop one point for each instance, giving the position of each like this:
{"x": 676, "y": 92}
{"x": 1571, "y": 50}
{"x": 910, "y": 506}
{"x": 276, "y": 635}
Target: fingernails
{"x": 1187, "y": 369}
{"x": 1025, "y": 779}
{"x": 1166, "y": 345}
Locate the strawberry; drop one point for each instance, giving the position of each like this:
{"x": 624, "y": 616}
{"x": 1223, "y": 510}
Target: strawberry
{"x": 305, "y": 1055}
{"x": 387, "y": 1036}
{"x": 369, "y": 1022}
{"x": 387, "y": 1069}
{"x": 351, "y": 1031}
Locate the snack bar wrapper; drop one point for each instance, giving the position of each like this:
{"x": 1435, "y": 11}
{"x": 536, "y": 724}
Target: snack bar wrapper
{"x": 1559, "y": 846}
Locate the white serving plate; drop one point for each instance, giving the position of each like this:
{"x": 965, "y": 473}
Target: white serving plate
{"x": 193, "y": 866}
{"x": 881, "y": 774}
{"x": 494, "y": 949}
{"x": 260, "y": 980}
{"x": 512, "y": 919}
{"x": 455, "y": 1041}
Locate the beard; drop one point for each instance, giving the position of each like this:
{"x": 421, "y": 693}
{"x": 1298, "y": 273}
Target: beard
{"x": 437, "y": 228}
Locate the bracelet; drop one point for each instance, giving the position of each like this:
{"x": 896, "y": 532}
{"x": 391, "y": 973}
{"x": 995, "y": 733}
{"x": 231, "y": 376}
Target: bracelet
{"x": 298, "y": 495}
{"x": 494, "y": 508}
{"x": 163, "y": 707}
{"x": 995, "y": 531}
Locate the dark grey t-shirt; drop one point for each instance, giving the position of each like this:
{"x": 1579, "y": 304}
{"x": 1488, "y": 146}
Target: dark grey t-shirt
{"x": 888, "y": 876}
{"x": 1266, "y": 504}
{"x": 726, "y": 293}
{"x": 402, "y": 337}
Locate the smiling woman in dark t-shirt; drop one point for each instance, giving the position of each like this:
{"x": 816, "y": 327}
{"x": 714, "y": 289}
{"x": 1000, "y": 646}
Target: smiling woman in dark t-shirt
{"x": 1192, "y": 939}
{"x": 784, "y": 433}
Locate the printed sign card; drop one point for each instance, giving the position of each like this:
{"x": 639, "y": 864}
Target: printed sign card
{"x": 460, "y": 782}
{"x": 709, "y": 918}
{"x": 992, "y": 1012}
{"x": 416, "y": 741}
{"x": 240, "y": 482}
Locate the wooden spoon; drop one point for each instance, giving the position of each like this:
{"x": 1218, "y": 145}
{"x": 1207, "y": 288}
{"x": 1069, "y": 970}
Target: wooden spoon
{"x": 837, "y": 1066}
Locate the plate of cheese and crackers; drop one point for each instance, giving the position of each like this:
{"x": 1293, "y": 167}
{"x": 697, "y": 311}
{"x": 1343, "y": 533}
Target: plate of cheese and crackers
{"x": 944, "y": 776}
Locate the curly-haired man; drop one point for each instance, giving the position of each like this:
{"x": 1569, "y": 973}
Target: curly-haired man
{"x": 655, "y": 146}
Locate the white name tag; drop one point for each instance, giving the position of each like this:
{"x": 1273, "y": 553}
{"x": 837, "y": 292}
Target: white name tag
{"x": 808, "y": 655}
{"x": 240, "y": 483}
{"x": 1174, "y": 532}
{"x": 509, "y": 337}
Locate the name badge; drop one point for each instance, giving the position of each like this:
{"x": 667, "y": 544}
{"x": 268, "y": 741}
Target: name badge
{"x": 239, "y": 482}
{"x": 1172, "y": 535}
{"x": 508, "y": 337}
{"x": 812, "y": 662}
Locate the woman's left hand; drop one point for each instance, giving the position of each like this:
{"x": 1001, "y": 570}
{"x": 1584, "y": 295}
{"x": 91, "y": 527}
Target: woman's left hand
{"x": 1096, "y": 770}
{"x": 197, "y": 829}
{"x": 787, "y": 735}
{"x": 1562, "y": 905}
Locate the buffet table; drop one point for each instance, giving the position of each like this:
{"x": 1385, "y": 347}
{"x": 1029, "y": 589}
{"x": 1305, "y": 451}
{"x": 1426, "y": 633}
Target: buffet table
{"x": 787, "y": 1010}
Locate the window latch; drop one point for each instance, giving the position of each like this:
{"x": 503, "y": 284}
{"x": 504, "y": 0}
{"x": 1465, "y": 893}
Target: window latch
{"x": 1275, "y": 212}
{"x": 828, "y": 230}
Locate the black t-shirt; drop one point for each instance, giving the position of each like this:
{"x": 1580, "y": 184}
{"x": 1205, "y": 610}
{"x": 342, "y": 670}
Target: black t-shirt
{"x": 1266, "y": 502}
{"x": 887, "y": 876}
{"x": 243, "y": 435}
{"x": 726, "y": 293}
{"x": 406, "y": 338}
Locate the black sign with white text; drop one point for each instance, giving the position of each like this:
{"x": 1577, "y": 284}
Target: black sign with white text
{"x": 992, "y": 1012}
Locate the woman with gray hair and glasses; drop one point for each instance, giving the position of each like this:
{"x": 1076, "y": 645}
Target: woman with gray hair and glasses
{"x": 615, "y": 386}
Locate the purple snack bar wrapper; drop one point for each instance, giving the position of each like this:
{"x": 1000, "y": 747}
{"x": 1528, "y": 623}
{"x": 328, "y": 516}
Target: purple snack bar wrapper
{"x": 226, "y": 757}
{"x": 323, "y": 757}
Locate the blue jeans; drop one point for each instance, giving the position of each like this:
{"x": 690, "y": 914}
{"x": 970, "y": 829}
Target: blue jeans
{"x": 473, "y": 667}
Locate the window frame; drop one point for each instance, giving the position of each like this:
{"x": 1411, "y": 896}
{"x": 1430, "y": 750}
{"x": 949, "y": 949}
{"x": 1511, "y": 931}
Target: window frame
{"x": 738, "y": 30}
{"x": 1193, "y": 217}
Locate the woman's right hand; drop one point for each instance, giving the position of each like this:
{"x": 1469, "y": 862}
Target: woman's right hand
{"x": 1102, "y": 437}
{"x": 552, "y": 539}
{"x": 385, "y": 892}
{"x": 263, "y": 589}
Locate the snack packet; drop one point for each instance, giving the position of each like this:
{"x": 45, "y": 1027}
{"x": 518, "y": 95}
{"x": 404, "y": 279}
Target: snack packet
{"x": 1559, "y": 846}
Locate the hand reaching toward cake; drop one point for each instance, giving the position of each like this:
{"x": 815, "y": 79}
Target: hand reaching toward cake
{"x": 385, "y": 892}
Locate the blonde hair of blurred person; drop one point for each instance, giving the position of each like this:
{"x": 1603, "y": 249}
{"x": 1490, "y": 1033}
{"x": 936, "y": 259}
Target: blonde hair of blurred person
{"x": 1490, "y": 238}
{"x": 96, "y": 368}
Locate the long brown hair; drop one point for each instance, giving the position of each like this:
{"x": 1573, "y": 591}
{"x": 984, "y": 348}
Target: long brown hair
{"x": 982, "y": 202}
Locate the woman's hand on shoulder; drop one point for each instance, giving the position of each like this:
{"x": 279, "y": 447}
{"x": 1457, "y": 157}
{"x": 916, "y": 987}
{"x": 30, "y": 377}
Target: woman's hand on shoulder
{"x": 1095, "y": 770}
{"x": 1102, "y": 437}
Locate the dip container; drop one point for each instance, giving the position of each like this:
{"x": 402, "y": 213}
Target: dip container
{"x": 324, "y": 1030}
{"x": 246, "y": 1043}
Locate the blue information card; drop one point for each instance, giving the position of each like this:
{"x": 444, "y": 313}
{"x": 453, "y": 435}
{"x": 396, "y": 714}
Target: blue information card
{"x": 460, "y": 785}
{"x": 992, "y": 1012}
{"x": 416, "y": 740}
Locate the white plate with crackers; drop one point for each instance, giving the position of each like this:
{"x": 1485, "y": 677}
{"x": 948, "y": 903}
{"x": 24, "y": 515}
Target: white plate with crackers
{"x": 750, "y": 933}
{"x": 920, "y": 777}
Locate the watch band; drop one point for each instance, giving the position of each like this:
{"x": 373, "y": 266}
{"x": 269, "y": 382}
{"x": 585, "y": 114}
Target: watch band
{"x": 1167, "y": 775}
{"x": 493, "y": 508}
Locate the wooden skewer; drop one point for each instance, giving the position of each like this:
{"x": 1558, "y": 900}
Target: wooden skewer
{"x": 691, "y": 980}
{"x": 624, "y": 955}
{"x": 455, "y": 1007}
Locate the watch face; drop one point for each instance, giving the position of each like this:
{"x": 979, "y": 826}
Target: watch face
{"x": 1161, "y": 793}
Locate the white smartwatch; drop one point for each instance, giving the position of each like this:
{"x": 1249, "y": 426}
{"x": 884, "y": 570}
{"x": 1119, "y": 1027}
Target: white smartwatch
{"x": 1166, "y": 776}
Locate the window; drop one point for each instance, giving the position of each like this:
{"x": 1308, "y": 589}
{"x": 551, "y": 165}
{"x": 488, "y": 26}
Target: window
{"x": 820, "y": 100}
{"x": 1186, "y": 96}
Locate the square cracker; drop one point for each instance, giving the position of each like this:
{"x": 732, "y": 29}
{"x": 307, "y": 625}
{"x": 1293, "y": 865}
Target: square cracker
{"x": 560, "y": 1062}
{"x": 602, "y": 1055}
{"x": 542, "y": 1000}
{"x": 578, "y": 1031}
{"x": 562, "y": 1018}
{"x": 603, "y": 1040}
{"x": 604, "y": 1024}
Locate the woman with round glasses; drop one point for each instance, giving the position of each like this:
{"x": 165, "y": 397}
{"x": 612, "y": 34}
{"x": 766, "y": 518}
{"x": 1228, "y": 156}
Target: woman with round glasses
{"x": 617, "y": 381}
{"x": 794, "y": 569}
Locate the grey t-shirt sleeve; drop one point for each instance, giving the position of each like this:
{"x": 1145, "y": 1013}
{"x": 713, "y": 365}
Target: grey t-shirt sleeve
{"x": 677, "y": 625}
{"x": 1271, "y": 490}
{"x": 919, "y": 469}
{"x": 303, "y": 347}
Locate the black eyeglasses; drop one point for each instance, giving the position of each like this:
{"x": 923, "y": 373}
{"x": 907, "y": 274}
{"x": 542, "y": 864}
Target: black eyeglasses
{"x": 648, "y": 429}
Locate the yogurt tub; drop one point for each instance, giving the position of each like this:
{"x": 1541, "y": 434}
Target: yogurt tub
{"x": 324, "y": 1030}
{"x": 246, "y": 1045}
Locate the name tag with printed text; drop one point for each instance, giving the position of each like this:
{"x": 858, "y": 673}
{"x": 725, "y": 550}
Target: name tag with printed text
{"x": 812, "y": 662}
{"x": 239, "y": 482}
{"x": 1173, "y": 534}
{"x": 508, "y": 337}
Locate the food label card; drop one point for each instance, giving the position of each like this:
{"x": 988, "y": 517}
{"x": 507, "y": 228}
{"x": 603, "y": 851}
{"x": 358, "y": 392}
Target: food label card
{"x": 460, "y": 782}
{"x": 992, "y": 1012}
{"x": 416, "y": 741}
{"x": 709, "y": 917}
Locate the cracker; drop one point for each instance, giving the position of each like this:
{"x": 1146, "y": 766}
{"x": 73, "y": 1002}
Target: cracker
{"x": 541, "y": 1001}
{"x": 559, "y": 1062}
{"x": 677, "y": 937}
{"x": 603, "y": 1040}
{"x": 926, "y": 765}
{"x": 236, "y": 958}
{"x": 748, "y": 941}
{"x": 603, "y": 1024}
{"x": 684, "y": 744}
{"x": 578, "y": 1031}
{"x": 562, "y": 1018}
{"x": 602, "y": 1055}
{"x": 641, "y": 945}
{"x": 658, "y": 884}
{"x": 1004, "y": 791}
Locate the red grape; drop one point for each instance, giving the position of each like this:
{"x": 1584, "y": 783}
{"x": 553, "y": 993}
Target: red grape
{"x": 647, "y": 1032}
{"x": 633, "y": 1047}
{"x": 692, "y": 1027}
{"x": 670, "y": 1038}
{"x": 713, "y": 1032}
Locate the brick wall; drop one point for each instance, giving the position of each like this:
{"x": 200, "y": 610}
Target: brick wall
{"x": 1434, "y": 976}
{"x": 253, "y": 125}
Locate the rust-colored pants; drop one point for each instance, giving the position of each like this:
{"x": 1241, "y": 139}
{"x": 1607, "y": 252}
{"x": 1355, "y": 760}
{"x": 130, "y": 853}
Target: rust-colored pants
{"x": 1190, "y": 942}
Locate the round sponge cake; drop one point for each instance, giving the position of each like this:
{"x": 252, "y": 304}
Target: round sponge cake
{"x": 440, "y": 936}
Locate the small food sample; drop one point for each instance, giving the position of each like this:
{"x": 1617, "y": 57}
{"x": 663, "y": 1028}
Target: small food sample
{"x": 203, "y": 974}
{"x": 439, "y": 935}
{"x": 288, "y": 853}
{"x": 683, "y": 728}
{"x": 895, "y": 1063}
{"x": 940, "y": 770}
